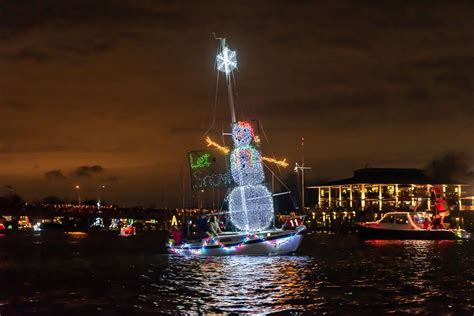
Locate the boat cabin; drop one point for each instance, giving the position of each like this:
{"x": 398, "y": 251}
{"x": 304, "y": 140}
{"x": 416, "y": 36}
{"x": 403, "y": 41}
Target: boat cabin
{"x": 398, "y": 221}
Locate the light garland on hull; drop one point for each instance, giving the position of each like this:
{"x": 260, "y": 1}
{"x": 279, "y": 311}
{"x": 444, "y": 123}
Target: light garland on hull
{"x": 249, "y": 244}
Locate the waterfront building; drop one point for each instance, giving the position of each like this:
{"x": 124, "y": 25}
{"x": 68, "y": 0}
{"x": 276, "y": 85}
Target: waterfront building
{"x": 385, "y": 189}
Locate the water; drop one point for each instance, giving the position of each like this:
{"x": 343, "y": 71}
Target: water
{"x": 102, "y": 272}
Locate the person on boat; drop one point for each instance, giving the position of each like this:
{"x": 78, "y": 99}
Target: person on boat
{"x": 441, "y": 206}
{"x": 176, "y": 235}
{"x": 426, "y": 222}
{"x": 214, "y": 227}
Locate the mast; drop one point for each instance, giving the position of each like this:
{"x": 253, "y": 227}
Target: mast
{"x": 302, "y": 168}
{"x": 226, "y": 63}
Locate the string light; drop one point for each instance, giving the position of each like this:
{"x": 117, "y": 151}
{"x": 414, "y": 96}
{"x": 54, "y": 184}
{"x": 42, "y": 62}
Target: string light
{"x": 227, "y": 60}
{"x": 246, "y": 166}
{"x": 242, "y": 133}
{"x": 251, "y": 207}
{"x": 281, "y": 244}
{"x": 250, "y": 203}
{"x": 211, "y": 143}
{"x": 201, "y": 162}
{"x": 226, "y": 150}
{"x": 256, "y": 139}
{"x": 281, "y": 163}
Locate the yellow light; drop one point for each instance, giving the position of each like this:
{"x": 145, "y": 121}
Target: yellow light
{"x": 226, "y": 150}
{"x": 76, "y": 233}
{"x": 281, "y": 163}
{"x": 222, "y": 149}
{"x": 174, "y": 222}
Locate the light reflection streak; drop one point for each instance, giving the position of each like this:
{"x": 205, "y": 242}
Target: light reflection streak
{"x": 246, "y": 284}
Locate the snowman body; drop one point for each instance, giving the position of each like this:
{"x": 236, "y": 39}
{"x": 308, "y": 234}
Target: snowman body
{"x": 250, "y": 202}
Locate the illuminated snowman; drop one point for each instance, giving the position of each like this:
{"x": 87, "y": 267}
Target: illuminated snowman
{"x": 250, "y": 202}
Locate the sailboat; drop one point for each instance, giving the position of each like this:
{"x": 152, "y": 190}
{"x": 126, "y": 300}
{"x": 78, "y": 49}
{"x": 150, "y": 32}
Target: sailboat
{"x": 250, "y": 202}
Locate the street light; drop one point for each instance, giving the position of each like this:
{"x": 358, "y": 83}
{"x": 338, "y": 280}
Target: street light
{"x": 101, "y": 187}
{"x": 78, "y": 188}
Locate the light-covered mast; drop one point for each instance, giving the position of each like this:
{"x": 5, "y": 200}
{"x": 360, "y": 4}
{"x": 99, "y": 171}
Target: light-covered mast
{"x": 250, "y": 202}
{"x": 226, "y": 63}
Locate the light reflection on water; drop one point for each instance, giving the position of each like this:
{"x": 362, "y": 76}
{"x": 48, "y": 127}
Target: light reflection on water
{"x": 237, "y": 284}
{"x": 389, "y": 276}
{"x": 81, "y": 273}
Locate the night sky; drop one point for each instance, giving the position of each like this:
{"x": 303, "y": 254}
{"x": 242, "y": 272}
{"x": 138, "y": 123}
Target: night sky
{"x": 116, "y": 92}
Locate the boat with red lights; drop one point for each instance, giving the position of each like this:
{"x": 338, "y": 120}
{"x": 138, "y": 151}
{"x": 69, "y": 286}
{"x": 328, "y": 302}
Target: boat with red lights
{"x": 127, "y": 231}
{"x": 406, "y": 225}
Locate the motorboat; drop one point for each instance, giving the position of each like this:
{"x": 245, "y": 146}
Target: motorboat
{"x": 407, "y": 225}
{"x": 267, "y": 242}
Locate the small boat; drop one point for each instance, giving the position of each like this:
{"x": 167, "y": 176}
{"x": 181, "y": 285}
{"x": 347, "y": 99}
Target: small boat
{"x": 127, "y": 231}
{"x": 406, "y": 225}
{"x": 52, "y": 226}
{"x": 269, "y": 242}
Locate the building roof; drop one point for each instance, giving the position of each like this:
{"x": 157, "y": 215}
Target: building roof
{"x": 383, "y": 176}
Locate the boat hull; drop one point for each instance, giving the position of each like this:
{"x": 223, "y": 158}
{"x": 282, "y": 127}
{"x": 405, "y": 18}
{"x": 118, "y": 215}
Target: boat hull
{"x": 280, "y": 244}
{"x": 371, "y": 233}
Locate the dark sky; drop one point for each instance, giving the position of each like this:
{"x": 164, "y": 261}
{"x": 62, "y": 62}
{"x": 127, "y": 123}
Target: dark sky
{"x": 116, "y": 92}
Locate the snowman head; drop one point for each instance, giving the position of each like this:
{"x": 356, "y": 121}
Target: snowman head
{"x": 242, "y": 133}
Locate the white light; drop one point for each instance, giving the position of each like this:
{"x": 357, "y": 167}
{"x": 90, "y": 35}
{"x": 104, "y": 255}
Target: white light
{"x": 246, "y": 166}
{"x": 99, "y": 222}
{"x": 251, "y": 207}
{"x": 246, "y": 161}
{"x": 250, "y": 203}
{"x": 226, "y": 60}
{"x": 37, "y": 227}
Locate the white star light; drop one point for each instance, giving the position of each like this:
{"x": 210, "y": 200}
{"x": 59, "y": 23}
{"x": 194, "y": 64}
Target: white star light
{"x": 227, "y": 60}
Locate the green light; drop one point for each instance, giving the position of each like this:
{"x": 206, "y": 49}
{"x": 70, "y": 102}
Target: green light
{"x": 201, "y": 162}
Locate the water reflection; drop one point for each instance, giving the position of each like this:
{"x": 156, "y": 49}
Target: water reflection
{"x": 416, "y": 275}
{"x": 75, "y": 237}
{"x": 83, "y": 273}
{"x": 238, "y": 284}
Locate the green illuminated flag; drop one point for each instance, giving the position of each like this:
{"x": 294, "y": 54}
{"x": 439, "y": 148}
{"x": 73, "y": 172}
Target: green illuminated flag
{"x": 208, "y": 170}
